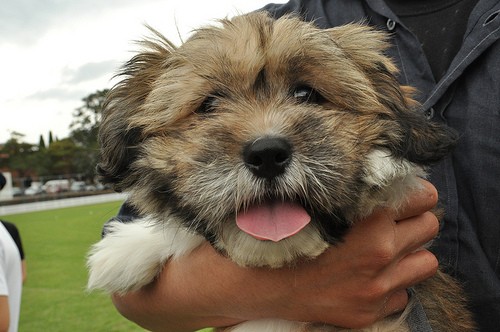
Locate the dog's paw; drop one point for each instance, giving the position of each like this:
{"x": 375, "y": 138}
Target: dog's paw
{"x": 123, "y": 260}
{"x": 131, "y": 255}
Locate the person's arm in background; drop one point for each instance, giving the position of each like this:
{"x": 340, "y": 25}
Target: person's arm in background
{"x": 4, "y": 313}
{"x": 24, "y": 270}
{"x": 353, "y": 284}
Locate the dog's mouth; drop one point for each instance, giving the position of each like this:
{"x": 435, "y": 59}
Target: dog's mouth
{"x": 273, "y": 220}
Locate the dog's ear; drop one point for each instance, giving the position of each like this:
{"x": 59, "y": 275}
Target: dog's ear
{"x": 413, "y": 136}
{"x": 118, "y": 138}
{"x": 424, "y": 142}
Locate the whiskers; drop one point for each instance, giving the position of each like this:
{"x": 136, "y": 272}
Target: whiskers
{"x": 219, "y": 193}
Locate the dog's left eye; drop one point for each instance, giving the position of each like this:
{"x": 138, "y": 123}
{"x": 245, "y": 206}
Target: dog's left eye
{"x": 208, "y": 105}
{"x": 306, "y": 94}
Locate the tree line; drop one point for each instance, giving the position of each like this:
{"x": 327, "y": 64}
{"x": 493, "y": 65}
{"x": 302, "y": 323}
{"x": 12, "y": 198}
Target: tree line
{"x": 76, "y": 154}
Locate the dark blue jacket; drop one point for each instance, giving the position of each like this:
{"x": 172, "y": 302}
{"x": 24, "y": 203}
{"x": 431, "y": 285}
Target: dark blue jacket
{"x": 467, "y": 98}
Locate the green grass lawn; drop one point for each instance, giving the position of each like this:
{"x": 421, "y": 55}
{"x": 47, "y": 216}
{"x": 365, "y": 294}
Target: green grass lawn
{"x": 54, "y": 297}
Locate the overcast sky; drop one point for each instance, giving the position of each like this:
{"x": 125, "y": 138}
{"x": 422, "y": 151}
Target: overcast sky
{"x": 55, "y": 52}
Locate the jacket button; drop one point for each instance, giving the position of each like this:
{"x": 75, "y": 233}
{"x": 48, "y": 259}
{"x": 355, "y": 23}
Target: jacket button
{"x": 391, "y": 25}
{"x": 429, "y": 113}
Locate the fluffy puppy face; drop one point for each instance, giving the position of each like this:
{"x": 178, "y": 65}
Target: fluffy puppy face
{"x": 263, "y": 116}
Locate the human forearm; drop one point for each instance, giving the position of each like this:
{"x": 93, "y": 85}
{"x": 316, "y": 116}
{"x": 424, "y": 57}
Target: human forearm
{"x": 179, "y": 300}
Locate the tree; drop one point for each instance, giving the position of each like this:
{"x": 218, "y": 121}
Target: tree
{"x": 62, "y": 155}
{"x": 19, "y": 156}
{"x": 75, "y": 155}
{"x": 84, "y": 129}
{"x": 88, "y": 117}
{"x": 41, "y": 143}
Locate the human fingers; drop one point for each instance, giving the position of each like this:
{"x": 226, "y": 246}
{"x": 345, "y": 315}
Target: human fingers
{"x": 420, "y": 200}
{"x": 396, "y": 302}
{"x": 416, "y": 224}
{"x": 415, "y": 232}
{"x": 408, "y": 272}
{"x": 415, "y": 268}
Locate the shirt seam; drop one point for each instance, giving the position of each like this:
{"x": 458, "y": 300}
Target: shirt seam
{"x": 447, "y": 77}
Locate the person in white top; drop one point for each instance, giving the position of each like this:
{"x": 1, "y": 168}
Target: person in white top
{"x": 10, "y": 282}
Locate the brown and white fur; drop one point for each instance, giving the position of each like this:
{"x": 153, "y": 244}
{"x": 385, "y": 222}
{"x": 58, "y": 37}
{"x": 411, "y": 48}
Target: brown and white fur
{"x": 180, "y": 135}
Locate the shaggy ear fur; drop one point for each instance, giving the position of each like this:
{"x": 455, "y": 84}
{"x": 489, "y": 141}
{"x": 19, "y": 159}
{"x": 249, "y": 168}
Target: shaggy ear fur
{"x": 420, "y": 141}
{"x": 118, "y": 140}
{"x": 426, "y": 142}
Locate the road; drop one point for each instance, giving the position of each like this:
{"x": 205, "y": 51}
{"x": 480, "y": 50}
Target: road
{"x": 60, "y": 203}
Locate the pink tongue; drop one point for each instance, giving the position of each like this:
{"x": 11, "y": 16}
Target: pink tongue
{"x": 273, "y": 221}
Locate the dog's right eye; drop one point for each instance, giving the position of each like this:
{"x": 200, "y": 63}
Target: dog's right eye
{"x": 208, "y": 105}
{"x": 306, "y": 94}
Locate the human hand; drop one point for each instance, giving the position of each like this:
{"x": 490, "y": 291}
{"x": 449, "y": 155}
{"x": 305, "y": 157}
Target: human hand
{"x": 353, "y": 284}
{"x": 365, "y": 278}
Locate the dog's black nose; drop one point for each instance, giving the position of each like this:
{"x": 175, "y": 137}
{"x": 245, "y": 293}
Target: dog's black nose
{"x": 267, "y": 157}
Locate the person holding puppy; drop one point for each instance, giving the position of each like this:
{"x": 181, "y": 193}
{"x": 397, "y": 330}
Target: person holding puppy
{"x": 449, "y": 51}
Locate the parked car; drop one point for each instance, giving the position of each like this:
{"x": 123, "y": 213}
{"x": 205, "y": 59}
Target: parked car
{"x": 56, "y": 186}
{"x": 90, "y": 187}
{"x": 77, "y": 186}
{"x": 16, "y": 191}
{"x": 35, "y": 189}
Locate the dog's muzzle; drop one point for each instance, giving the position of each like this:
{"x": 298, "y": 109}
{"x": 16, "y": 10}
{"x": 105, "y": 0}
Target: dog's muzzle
{"x": 273, "y": 219}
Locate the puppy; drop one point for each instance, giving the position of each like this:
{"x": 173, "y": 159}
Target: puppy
{"x": 268, "y": 139}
